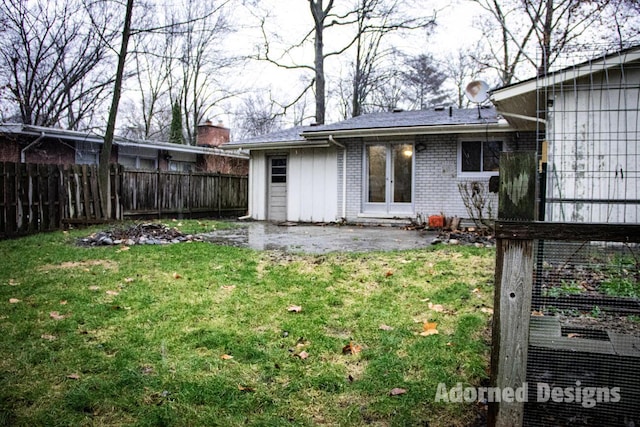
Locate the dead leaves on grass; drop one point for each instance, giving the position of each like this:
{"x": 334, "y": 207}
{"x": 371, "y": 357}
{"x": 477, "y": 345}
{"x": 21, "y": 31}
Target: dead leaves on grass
{"x": 294, "y": 309}
{"x": 351, "y": 348}
{"x": 397, "y": 391}
{"x": 302, "y": 355}
{"x": 57, "y": 316}
{"x": 429, "y": 328}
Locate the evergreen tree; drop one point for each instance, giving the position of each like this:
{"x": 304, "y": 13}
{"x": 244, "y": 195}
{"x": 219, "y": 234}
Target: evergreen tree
{"x": 175, "y": 135}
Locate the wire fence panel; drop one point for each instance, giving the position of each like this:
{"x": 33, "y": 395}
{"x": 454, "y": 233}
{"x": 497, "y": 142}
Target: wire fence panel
{"x": 584, "y": 335}
{"x": 591, "y": 108}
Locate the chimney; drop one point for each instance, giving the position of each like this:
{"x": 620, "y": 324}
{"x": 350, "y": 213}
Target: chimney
{"x": 210, "y": 135}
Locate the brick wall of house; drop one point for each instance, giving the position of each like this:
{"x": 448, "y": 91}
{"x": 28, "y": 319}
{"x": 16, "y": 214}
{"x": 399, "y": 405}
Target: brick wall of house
{"x": 354, "y": 180}
{"x": 51, "y": 152}
{"x": 222, "y": 164}
{"x": 436, "y": 174}
{"x": 9, "y": 151}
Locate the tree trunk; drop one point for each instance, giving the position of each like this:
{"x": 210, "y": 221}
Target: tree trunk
{"x": 105, "y": 152}
{"x": 319, "y": 14}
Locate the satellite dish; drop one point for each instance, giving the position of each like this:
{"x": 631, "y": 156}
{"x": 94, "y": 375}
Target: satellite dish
{"x": 477, "y": 91}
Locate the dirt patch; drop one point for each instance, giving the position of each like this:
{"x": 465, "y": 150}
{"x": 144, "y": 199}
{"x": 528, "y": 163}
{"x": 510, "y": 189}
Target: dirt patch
{"x": 109, "y": 265}
{"x": 619, "y": 324}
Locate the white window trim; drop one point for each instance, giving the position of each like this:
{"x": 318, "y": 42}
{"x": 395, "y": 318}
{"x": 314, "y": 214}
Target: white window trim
{"x": 488, "y": 174}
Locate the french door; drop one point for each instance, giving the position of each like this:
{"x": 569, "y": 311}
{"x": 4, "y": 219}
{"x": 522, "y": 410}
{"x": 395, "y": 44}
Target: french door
{"x": 388, "y": 178}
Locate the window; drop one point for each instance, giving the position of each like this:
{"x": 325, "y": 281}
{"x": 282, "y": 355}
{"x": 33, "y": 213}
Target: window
{"x": 278, "y": 170}
{"x": 137, "y": 162}
{"x": 176, "y": 166}
{"x": 480, "y": 156}
{"x": 87, "y": 153}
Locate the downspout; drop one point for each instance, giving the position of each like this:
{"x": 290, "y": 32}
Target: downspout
{"x": 23, "y": 152}
{"x": 344, "y": 175}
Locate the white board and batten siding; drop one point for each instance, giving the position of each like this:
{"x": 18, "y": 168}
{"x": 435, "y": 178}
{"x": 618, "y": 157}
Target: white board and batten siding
{"x": 594, "y": 153}
{"x": 312, "y": 184}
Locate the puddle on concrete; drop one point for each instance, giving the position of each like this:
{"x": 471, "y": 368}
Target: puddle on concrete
{"x": 317, "y": 239}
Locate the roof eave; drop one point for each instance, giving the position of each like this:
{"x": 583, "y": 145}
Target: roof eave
{"x": 275, "y": 145}
{"x": 501, "y": 126}
{"x": 35, "y": 131}
{"x": 560, "y": 76}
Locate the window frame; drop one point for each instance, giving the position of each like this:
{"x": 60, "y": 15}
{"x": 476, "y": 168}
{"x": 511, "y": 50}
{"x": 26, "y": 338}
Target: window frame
{"x": 136, "y": 158}
{"x": 481, "y": 173}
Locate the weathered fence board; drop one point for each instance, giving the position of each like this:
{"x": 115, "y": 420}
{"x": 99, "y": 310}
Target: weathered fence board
{"x": 154, "y": 193}
{"x": 40, "y": 197}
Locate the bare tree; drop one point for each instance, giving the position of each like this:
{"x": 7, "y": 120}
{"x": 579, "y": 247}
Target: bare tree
{"x": 366, "y": 23}
{"x": 520, "y": 28}
{"x": 105, "y": 150}
{"x": 54, "y": 62}
{"x": 150, "y": 107}
{"x": 377, "y": 19}
{"x": 258, "y": 115}
{"x": 460, "y": 69}
{"x": 200, "y": 63}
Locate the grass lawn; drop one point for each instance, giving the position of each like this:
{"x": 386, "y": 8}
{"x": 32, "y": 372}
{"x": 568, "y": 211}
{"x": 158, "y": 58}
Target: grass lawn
{"x": 197, "y": 334}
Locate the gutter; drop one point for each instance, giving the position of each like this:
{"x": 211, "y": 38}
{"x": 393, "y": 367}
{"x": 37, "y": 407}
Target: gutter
{"x": 411, "y": 130}
{"x": 273, "y": 145}
{"x": 523, "y": 117}
{"x": 344, "y": 175}
{"x": 23, "y": 152}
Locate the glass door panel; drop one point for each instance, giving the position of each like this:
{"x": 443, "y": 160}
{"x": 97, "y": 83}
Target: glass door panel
{"x": 402, "y": 161}
{"x": 377, "y": 173}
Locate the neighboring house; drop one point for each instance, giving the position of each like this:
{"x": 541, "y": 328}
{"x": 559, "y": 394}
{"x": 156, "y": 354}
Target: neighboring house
{"x": 589, "y": 115}
{"x": 36, "y": 144}
{"x": 389, "y": 167}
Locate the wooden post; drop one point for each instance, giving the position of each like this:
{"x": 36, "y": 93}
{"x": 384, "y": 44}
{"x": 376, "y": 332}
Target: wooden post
{"x": 513, "y": 286}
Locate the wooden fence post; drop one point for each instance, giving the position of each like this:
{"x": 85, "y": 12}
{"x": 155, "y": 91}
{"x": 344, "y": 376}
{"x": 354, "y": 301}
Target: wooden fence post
{"x": 513, "y": 286}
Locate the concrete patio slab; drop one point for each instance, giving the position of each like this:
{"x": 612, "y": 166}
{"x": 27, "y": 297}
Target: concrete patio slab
{"x": 319, "y": 239}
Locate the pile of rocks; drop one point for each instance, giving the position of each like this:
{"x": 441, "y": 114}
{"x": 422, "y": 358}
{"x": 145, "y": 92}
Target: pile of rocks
{"x": 476, "y": 239}
{"x": 138, "y": 234}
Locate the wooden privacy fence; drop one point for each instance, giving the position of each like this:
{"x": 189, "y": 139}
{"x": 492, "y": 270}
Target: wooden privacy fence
{"x": 160, "y": 193}
{"x": 42, "y": 197}
{"x": 39, "y": 197}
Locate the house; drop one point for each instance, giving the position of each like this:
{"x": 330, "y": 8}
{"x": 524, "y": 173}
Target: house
{"x": 586, "y": 117}
{"x": 390, "y": 167}
{"x": 36, "y": 144}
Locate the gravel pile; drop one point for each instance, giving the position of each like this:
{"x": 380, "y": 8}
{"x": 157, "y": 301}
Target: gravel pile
{"x": 464, "y": 238}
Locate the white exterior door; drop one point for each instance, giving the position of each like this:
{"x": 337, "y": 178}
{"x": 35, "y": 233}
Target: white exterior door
{"x": 388, "y": 179}
{"x": 277, "y": 189}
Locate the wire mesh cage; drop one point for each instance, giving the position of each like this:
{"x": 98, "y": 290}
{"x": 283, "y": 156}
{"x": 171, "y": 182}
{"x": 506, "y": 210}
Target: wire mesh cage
{"x": 583, "y": 365}
{"x": 584, "y": 336}
{"x": 590, "y": 108}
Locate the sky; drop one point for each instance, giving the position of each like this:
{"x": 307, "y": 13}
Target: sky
{"x": 292, "y": 18}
